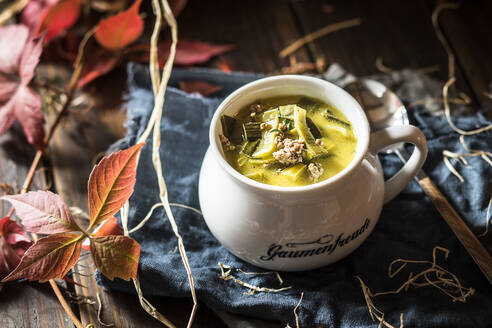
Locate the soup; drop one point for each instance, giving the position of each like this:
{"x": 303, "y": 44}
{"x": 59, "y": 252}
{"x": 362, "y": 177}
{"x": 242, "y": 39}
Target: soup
{"x": 288, "y": 141}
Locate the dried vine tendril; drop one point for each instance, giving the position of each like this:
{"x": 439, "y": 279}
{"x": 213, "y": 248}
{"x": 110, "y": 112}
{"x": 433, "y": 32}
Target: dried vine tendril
{"x": 226, "y": 274}
{"x": 447, "y": 155}
{"x": 159, "y": 83}
{"x": 434, "y": 275}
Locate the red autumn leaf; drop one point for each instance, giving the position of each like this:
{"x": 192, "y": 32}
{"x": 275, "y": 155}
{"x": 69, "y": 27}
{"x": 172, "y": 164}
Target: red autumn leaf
{"x": 191, "y": 52}
{"x": 116, "y": 32}
{"x": 49, "y": 258}
{"x": 58, "y": 18}
{"x": 33, "y": 11}
{"x": 100, "y": 63}
{"x": 42, "y": 212}
{"x": 19, "y": 56}
{"x": 116, "y": 256}
{"x": 14, "y": 243}
{"x": 71, "y": 281}
{"x": 108, "y": 228}
{"x": 187, "y": 52}
{"x": 111, "y": 184}
{"x": 3, "y": 270}
{"x": 328, "y": 9}
{"x": 203, "y": 88}
{"x": 224, "y": 65}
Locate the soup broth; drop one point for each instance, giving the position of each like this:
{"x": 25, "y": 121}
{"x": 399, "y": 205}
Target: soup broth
{"x": 288, "y": 141}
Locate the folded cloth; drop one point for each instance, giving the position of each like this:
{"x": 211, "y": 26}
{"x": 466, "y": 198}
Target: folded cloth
{"x": 409, "y": 227}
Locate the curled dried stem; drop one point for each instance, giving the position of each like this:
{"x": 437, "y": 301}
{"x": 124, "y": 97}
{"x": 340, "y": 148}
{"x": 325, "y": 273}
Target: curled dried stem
{"x": 99, "y": 310}
{"x": 451, "y": 68}
{"x": 435, "y": 276}
{"x": 447, "y": 112}
{"x": 79, "y": 63}
{"x": 11, "y": 10}
{"x": 317, "y": 34}
{"x": 295, "y": 310}
{"x": 146, "y": 218}
{"x": 226, "y": 274}
{"x": 159, "y": 84}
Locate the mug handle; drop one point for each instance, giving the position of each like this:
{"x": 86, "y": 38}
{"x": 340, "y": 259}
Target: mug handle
{"x": 392, "y": 135}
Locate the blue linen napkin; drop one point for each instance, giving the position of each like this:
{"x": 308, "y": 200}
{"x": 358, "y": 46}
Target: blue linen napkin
{"x": 409, "y": 226}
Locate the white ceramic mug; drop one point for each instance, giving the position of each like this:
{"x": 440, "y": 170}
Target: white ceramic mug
{"x": 301, "y": 228}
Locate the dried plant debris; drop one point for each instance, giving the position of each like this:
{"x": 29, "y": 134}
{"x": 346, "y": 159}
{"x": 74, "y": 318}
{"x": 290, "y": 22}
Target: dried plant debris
{"x": 451, "y": 69}
{"x": 447, "y": 155}
{"x": 295, "y": 311}
{"x": 317, "y": 34}
{"x": 434, "y": 275}
{"x": 461, "y": 157}
{"x": 226, "y": 274}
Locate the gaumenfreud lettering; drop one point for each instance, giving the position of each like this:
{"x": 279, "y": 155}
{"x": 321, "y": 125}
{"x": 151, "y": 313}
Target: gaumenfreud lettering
{"x": 326, "y": 245}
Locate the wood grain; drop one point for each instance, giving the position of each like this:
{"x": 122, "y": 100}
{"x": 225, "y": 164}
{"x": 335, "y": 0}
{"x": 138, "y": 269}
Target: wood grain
{"x": 258, "y": 29}
{"x": 24, "y": 304}
{"x": 468, "y": 30}
{"x": 400, "y": 32}
{"x": 80, "y": 139}
{"x": 471, "y": 243}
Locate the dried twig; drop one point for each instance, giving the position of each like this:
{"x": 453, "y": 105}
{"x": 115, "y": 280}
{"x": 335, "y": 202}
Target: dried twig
{"x": 159, "y": 85}
{"x": 447, "y": 155}
{"x": 78, "y": 65}
{"x": 147, "y": 217}
{"x": 318, "y": 33}
{"x": 11, "y": 10}
{"x": 296, "y": 67}
{"x": 99, "y": 310}
{"x": 295, "y": 310}
{"x": 156, "y": 141}
{"x": 426, "y": 100}
{"x": 226, "y": 274}
{"x": 447, "y": 112}
{"x": 197, "y": 211}
{"x": 152, "y": 209}
{"x": 435, "y": 276}
{"x": 451, "y": 68}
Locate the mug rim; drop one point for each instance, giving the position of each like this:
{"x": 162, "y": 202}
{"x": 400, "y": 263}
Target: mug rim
{"x": 358, "y": 157}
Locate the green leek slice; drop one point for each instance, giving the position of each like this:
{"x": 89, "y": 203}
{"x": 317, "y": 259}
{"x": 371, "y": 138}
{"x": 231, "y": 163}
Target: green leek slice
{"x": 267, "y": 144}
{"x": 294, "y": 172}
{"x": 312, "y": 148}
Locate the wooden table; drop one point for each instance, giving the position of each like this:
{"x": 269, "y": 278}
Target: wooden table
{"x": 400, "y": 32}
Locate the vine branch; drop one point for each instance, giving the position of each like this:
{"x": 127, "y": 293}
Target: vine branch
{"x": 78, "y": 65}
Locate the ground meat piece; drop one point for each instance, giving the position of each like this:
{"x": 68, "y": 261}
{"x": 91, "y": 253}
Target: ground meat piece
{"x": 289, "y": 151}
{"x": 256, "y": 108}
{"x": 227, "y": 145}
{"x": 316, "y": 170}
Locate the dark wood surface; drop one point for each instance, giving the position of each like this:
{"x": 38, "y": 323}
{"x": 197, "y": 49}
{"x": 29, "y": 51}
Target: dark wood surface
{"x": 400, "y": 32}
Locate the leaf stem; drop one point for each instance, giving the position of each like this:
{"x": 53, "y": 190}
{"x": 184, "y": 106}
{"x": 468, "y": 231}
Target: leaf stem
{"x": 11, "y": 10}
{"x": 78, "y": 65}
